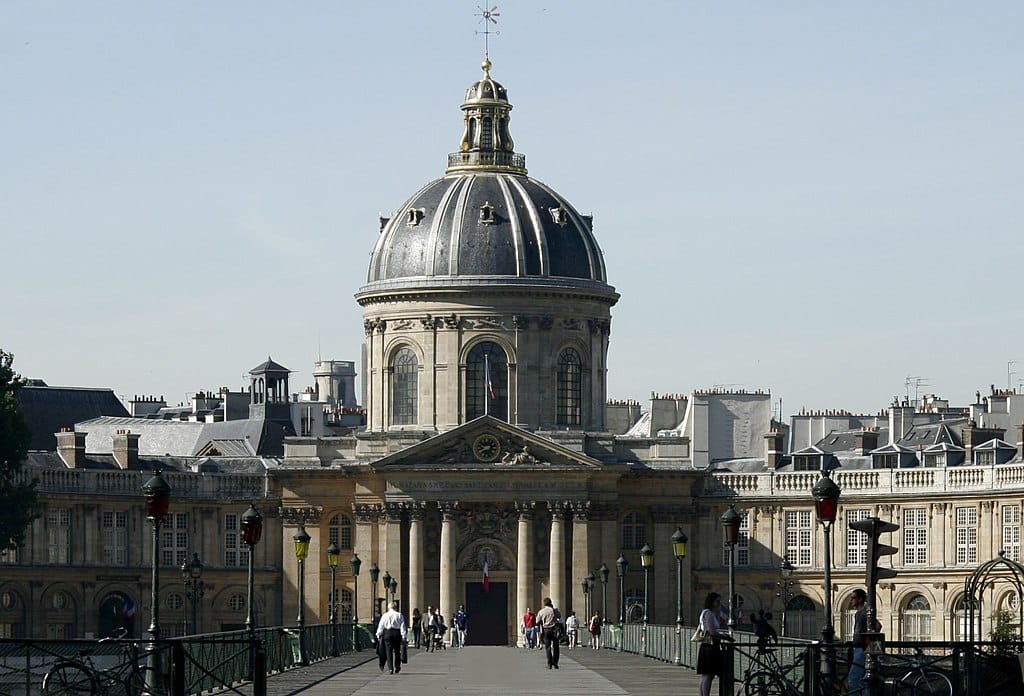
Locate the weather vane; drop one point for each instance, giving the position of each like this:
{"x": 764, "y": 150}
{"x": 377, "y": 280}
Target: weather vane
{"x": 487, "y": 17}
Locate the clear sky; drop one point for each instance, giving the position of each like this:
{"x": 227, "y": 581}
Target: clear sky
{"x": 816, "y": 198}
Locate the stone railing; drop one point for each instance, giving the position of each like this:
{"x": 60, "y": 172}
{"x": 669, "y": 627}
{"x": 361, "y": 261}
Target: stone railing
{"x": 129, "y": 483}
{"x": 797, "y": 484}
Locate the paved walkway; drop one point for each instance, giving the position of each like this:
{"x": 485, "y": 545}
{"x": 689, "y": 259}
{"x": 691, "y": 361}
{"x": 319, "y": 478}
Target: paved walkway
{"x": 490, "y": 671}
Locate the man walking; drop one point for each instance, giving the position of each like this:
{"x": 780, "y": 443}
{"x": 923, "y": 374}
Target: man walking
{"x": 855, "y": 678}
{"x": 550, "y": 632}
{"x": 391, "y": 633}
{"x": 529, "y": 629}
{"x": 461, "y": 621}
{"x": 430, "y": 626}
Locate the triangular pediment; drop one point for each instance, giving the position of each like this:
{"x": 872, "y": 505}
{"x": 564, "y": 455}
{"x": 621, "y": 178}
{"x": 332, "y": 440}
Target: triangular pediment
{"x": 487, "y": 443}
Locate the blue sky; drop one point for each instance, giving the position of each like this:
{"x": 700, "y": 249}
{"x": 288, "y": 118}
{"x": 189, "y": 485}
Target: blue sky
{"x": 819, "y": 199}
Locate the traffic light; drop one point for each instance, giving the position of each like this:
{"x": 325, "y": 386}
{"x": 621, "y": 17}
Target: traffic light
{"x": 874, "y": 528}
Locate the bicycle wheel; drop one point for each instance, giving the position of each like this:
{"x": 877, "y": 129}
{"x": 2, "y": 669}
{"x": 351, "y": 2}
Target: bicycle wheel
{"x": 68, "y": 679}
{"x": 764, "y": 684}
{"x": 933, "y": 684}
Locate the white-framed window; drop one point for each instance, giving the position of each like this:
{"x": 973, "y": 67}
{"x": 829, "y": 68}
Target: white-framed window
{"x": 9, "y": 556}
{"x": 742, "y": 542}
{"x": 800, "y": 537}
{"x": 634, "y": 531}
{"x": 966, "y": 535}
{"x": 916, "y": 621}
{"x": 174, "y": 540}
{"x": 115, "y": 537}
{"x": 236, "y": 553}
{"x": 856, "y": 542}
{"x": 58, "y": 536}
{"x": 915, "y": 536}
{"x": 1011, "y": 532}
{"x": 340, "y": 532}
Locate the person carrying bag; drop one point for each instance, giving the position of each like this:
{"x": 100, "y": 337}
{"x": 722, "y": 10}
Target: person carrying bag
{"x": 710, "y": 637}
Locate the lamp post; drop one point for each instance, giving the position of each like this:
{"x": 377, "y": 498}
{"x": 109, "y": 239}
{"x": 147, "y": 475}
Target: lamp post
{"x": 301, "y": 540}
{"x": 785, "y": 582}
{"x": 826, "y": 504}
{"x": 679, "y": 551}
{"x": 590, "y": 580}
{"x": 387, "y": 588}
{"x": 252, "y": 530}
{"x": 622, "y": 565}
{"x": 354, "y": 565}
{"x": 586, "y": 598}
{"x": 731, "y": 526}
{"x": 332, "y": 611}
{"x": 604, "y": 571}
{"x": 394, "y": 588}
{"x": 646, "y": 562}
{"x": 191, "y": 574}
{"x": 374, "y": 575}
{"x": 157, "y": 495}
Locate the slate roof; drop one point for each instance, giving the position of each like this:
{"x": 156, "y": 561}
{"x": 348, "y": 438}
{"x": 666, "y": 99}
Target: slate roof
{"x": 172, "y": 438}
{"x": 48, "y": 409}
{"x": 268, "y": 366}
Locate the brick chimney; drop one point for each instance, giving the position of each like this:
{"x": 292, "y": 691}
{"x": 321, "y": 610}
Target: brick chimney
{"x": 774, "y": 449}
{"x": 71, "y": 447}
{"x": 126, "y": 449}
{"x": 974, "y": 435}
{"x": 865, "y": 441}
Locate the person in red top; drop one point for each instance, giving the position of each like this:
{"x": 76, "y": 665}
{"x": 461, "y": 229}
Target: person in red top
{"x": 529, "y": 629}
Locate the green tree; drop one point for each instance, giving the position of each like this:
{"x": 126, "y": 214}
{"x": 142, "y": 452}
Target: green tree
{"x": 17, "y": 498}
{"x": 1005, "y": 634}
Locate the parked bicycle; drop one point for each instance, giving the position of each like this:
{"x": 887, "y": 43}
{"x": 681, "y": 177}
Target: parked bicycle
{"x": 766, "y": 676}
{"x": 923, "y": 678}
{"x": 78, "y": 676}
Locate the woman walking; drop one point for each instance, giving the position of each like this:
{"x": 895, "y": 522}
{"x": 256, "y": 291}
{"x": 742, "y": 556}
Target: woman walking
{"x": 709, "y": 654}
{"x": 417, "y": 627}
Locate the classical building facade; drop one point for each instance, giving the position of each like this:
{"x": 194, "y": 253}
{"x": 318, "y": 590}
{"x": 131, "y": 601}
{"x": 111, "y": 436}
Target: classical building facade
{"x": 490, "y": 442}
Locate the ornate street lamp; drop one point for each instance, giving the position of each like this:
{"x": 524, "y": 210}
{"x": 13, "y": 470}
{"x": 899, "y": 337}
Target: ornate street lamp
{"x": 622, "y": 565}
{"x": 826, "y": 504}
{"x": 590, "y": 580}
{"x": 679, "y": 551}
{"x": 252, "y": 530}
{"x": 604, "y": 572}
{"x": 332, "y": 611}
{"x": 731, "y": 521}
{"x": 301, "y": 540}
{"x": 387, "y": 588}
{"x": 785, "y": 593}
{"x": 646, "y": 562}
{"x": 354, "y": 565}
{"x": 191, "y": 574}
{"x": 586, "y": 598}
{"x": 157, "y": 496}
{"x": 374, "y": 575}
{"x": 394, "y": 588}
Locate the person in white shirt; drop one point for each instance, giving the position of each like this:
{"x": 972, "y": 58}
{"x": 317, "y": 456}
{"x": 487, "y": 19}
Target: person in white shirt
{"x": 572, "y": 629}
{"x": 391, "y": 631}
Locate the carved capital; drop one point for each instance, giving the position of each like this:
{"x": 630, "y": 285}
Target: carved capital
{"x": 558, "y": 509}
{"x": 580, "y": 510}
{"x": 415, "y": 510}
{"x": 525, "y": 509}
{"x": 300, "y": 515}
{"x": 364, "y": 513}
{"x": 392, "y": 512}
{"x": 451, "y": 321}
{"x": 449, "y": 511}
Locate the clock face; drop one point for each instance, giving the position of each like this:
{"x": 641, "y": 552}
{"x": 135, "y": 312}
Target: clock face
{"x": 486, "y": 447}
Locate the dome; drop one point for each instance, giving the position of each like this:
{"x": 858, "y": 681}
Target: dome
{"x": 486, "y": 221}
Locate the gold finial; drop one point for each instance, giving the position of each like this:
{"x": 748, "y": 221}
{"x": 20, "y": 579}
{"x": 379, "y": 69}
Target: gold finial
{"x": 486, "y": 65}
{"x": 487, "y": 17}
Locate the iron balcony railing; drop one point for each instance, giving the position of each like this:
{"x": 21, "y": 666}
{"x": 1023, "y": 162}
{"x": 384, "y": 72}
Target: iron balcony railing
{"x": 497, "y": 159}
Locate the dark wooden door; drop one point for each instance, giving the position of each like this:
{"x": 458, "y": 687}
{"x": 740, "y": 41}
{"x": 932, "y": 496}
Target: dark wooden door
{"x": 488, "y": 613}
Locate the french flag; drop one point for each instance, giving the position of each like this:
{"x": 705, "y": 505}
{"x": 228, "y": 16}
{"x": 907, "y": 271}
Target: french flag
{"x": 487, "y": 377}
{"x": 487, "y": 576}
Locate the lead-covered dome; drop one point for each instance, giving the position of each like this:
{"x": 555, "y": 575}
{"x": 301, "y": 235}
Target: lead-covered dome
{"x": 486, "y": 218}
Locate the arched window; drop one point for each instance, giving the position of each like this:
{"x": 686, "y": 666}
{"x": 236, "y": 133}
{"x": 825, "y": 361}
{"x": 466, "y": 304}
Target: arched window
{"x": 569, "y": 388}
{"x": 340, "y": 532}
{"x": 959, "y": 628}
{"x": 634, "y": 531}
{"x": 404, "y": 385}
{"x": 801, "y": 618}
{"x": 917, "y": 620}
{"x": 487, "y": 382}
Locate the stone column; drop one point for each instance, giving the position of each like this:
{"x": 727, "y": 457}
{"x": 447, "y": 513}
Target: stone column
{"x": 391, "y": 549}
{"x": 524, "y": 563}
{"x": 448, "y": 569}
{"x": 415, "y": 558}
{"x": 580, "y": 557}
{"x": 556, "y": 565}
{"x": 362, "y": 544}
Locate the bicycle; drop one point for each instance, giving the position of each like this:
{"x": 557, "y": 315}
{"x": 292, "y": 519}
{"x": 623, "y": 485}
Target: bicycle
{"x": 765, "y": 675}
{"x": 919, "y": 681}
{"x": 75, "y": 677}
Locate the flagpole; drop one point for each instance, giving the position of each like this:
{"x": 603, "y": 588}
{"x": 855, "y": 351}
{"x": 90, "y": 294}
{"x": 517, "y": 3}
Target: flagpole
{"x": 487, "y": 386}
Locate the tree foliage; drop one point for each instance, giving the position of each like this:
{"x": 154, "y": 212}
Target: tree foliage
{"x": 17, "y": 498}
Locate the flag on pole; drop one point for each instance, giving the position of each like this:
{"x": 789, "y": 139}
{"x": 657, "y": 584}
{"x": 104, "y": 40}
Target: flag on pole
{"x": 487, "y": 576}
{"x": 487, "y": 377}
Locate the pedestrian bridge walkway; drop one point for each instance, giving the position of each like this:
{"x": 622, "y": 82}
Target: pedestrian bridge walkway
{"x": 490, "y": 671}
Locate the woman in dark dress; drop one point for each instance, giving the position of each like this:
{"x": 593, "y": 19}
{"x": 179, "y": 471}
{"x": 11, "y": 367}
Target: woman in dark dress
{"x": 709, "y": 654}
{"x": 417, "y": 625}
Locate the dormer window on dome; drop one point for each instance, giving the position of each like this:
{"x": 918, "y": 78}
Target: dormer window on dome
{"x": 560, "y": 215}
{"x": 487, "y": 213}
{"x": 415, "y": 216}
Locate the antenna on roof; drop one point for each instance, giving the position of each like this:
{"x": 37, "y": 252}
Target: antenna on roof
{"x": 916, "y": 383}
{"x": 487, "y": 17}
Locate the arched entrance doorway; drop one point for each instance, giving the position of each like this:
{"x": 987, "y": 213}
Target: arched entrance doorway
{"x": 117, "y": 616}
